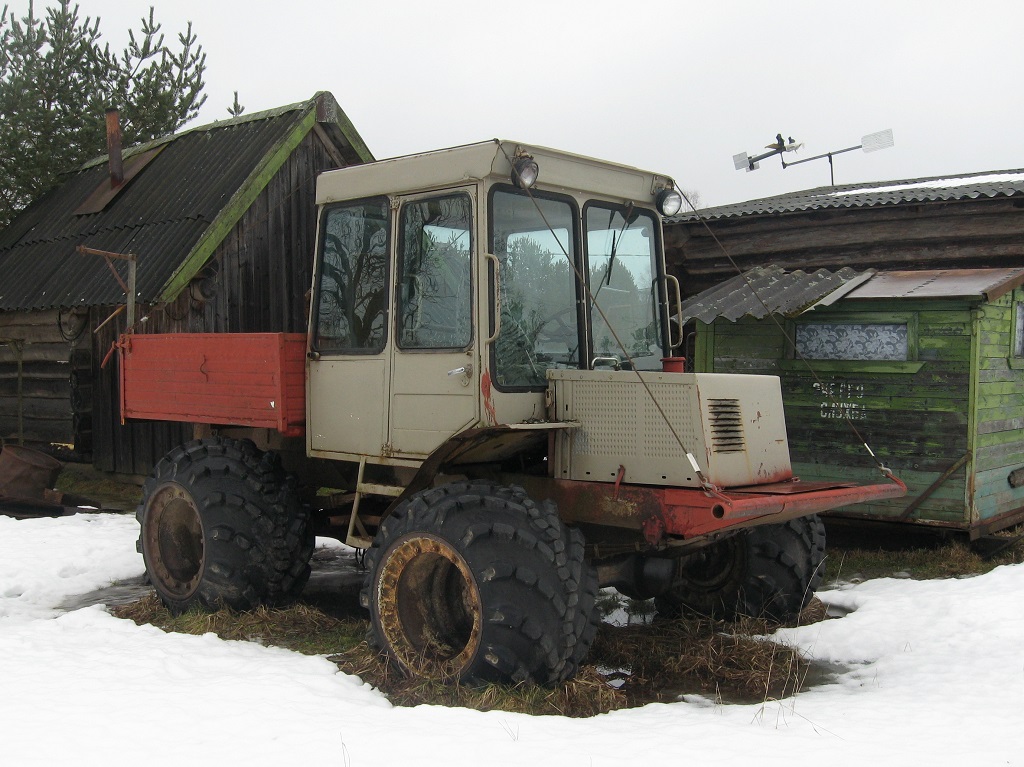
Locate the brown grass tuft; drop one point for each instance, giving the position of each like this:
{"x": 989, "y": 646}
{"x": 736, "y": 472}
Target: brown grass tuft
{"x": 944, "y": 560}
{"x": 669, "y": 658}
{"x": 587, "y": 694}
{"x": 300, "y": 627}
{"x": 648, "y": 663}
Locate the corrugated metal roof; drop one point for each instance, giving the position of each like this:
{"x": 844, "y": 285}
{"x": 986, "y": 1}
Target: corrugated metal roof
{"x": 988, "y": 284}
{"x": 1006, "y": 183}
{"x": 768, "y": 290}
{"x": 791, "y": 293}
{"x": 159, "y": 216}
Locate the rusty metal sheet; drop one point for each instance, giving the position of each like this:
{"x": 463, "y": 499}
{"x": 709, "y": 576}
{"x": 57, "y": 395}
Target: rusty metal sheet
{"x": 26, "y": 473}
{"x": 693, "y": 514}
{"x": 787, "y": 488}
{"x": 988, "y": 284}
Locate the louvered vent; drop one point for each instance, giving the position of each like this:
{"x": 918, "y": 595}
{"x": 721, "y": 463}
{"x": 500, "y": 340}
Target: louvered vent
{"x": 726, "y": 426}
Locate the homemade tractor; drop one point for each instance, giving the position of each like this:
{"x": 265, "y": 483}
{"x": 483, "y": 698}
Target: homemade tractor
{"x": 486, "y": 402}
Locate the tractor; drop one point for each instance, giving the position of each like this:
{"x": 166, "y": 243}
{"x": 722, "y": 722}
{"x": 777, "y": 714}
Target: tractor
{"x": 489, "y": 403}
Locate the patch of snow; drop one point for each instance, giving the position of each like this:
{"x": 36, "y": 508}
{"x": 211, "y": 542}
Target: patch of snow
{"x": 932, "y": 672}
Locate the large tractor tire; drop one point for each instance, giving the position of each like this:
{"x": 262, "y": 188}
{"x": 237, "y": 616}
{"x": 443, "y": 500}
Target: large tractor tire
{"x": 583, "y": 582}
{"x": 472, "y": 582}
{"x": 221, "y": 526}
{"x": 582, "y": 588}
{"x": 768, "y": 572}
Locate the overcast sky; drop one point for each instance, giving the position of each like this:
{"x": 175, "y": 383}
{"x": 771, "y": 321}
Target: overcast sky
{"x": 678, "y": 86}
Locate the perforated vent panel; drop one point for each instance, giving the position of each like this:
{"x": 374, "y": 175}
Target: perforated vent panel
{"x": 621, "y": 422}
{"x": 609, "y": 411}
{"x": 726, "y": 426}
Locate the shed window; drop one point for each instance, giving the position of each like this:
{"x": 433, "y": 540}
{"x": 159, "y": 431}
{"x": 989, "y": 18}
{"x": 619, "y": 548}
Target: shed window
{"x": 887, "y": 341}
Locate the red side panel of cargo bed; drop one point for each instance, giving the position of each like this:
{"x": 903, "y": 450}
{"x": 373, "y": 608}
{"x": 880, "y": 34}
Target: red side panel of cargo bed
{"x": 239, "y": 379}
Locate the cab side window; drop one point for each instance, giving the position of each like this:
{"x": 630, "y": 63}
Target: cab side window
{"x": 351, "y": 306}
{"x": 434, "y": 294}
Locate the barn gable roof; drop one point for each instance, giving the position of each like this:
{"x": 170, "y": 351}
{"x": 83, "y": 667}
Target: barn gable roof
{"x": 172, "y": 215}
{"x": 966, "y": 186}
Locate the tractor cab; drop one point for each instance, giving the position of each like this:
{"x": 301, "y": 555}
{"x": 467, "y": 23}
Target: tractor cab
{"x": 450, "y": 283}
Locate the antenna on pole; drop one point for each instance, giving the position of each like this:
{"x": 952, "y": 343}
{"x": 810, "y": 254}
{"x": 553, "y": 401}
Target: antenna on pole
{"x": 872, "y": 142}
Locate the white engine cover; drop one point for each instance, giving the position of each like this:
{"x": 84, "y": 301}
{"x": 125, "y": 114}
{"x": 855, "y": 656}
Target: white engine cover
{"x": 733, "y": 425}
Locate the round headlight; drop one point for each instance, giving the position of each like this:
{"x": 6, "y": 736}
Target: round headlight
{"x": 669, "y": 202}
{"x": 525, "y": 172}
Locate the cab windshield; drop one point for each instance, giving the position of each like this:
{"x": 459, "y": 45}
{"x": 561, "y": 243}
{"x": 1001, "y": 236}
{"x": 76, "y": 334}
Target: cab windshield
{"x": 621, "y": 249}
{"x": 534, "y": 241}
{"x": 549, "y": 321}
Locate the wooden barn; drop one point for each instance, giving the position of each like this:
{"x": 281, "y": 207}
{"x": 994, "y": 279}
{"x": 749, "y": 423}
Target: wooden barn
{"x": 925, "y": 367}
{"x": 220, "y": 223}
{"x": 949, "y": 222}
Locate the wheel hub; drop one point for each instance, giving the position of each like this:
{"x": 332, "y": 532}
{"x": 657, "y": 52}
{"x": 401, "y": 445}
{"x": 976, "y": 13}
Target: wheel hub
{"x": 430, "y": 609}
{"x": 173, "y": 540}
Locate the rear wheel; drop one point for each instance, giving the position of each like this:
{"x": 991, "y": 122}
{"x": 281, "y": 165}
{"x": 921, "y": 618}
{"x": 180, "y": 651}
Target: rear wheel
{"x": 471, "y": 582}
{"x": 221, "y": 526}
{"x": 771, "y": 571}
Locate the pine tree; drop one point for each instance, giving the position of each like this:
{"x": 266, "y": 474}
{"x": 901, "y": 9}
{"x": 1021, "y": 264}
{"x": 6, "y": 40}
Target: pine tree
{"x": 236, "y": 109}
{"x": 56, "y": 81}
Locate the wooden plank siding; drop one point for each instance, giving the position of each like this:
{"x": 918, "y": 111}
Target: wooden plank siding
{"x": 985, "y": 232}
{"x": 51, "y": 388}
{"x": 999, "y": 411}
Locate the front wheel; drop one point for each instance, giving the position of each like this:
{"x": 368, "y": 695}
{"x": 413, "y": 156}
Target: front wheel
{"x": 471, "y": 582}
{"x": 771, "y": 572}
{"x": 222, "y": 527}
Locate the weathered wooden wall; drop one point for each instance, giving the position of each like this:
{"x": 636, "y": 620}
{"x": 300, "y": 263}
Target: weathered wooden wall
{"x": 998, "y": 422}
{"x": 917, "y": 423}
{"x": 48, "y": 396}
{"x": 255, "y": 282}
{"x": 984, "y": 232}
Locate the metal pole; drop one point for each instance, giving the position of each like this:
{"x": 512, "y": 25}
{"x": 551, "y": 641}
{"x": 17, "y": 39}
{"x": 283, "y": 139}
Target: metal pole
{"x": 129, "y": 289}
{"x": 131, "y": 294}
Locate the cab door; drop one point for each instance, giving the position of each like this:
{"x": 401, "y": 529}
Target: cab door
{"x": 434, "y": 373}
{"x": 349, "y": 365}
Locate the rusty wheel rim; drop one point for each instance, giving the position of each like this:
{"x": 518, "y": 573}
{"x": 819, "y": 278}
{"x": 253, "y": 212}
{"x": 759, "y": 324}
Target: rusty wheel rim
{"x": 429, "y": 606}
{"x": 173, "y": 540}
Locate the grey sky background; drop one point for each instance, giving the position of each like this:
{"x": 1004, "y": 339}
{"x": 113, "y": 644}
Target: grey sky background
{"x": 678, "y": 86}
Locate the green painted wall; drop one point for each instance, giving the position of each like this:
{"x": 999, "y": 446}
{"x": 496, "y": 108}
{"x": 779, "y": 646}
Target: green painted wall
{"x": 999, "y": 410}
{"x": 958, "y": 391}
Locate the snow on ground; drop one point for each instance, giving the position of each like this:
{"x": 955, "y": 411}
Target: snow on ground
{"x": 930, "y": 672}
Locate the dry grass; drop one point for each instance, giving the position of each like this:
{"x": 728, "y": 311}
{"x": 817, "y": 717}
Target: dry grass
{"x": 587, "y": 694}
{"x": 941, "y": 560}
{"x": 300, "y": 627}
{"x": 638, "y": 664}
{"x": 726, "y": 661}
{"x": 113, "y": 493}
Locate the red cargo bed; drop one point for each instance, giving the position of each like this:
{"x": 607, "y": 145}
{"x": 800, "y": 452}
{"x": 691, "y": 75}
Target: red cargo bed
{"x": 239, "y": 379}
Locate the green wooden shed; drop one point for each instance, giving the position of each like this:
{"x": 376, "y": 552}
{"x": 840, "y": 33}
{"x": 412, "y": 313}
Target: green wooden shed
{"x": 924, "y": 367}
